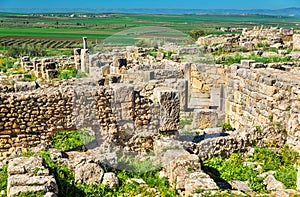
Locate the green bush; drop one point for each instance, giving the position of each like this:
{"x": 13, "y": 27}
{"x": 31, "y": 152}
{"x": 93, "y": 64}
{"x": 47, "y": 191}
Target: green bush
{"x": 226, "y": 126}
{"x": 25, "y": 49}
{"x": 283, "y": 162}
{"x": 29, "y": 77}
{"x": 6, "y": 64}
{"x": 152, "y": 53}
{"x": 195, "y": 34}
{"x": 32, "y": 194}
{"x": 262, "y": 45}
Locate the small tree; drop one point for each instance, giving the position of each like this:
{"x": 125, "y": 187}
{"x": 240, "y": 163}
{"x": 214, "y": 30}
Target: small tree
{"x": 195, "y": 34}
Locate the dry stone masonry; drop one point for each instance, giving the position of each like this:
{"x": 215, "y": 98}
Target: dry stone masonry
{"x": 260, "y": 94}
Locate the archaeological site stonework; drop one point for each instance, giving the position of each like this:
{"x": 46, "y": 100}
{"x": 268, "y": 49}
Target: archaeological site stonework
{"x": 168, "y": 102}
{"x": 264, "y": 94}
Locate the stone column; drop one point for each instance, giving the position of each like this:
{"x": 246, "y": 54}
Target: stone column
{"x": 85, "y": 60}
{"x": 84, "y": 42}
{"x": 77, "y": 58}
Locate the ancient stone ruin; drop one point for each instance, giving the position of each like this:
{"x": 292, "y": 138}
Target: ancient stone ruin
{"x": 133, "y": 102}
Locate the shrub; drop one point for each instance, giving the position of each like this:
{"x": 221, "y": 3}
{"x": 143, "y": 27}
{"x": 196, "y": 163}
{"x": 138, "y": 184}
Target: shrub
{"x": 6, "y": 64}
{"x": 29, "y": 77}
{"x": 25, "y": 49}
{"x": 226, "y": 127}
{"x": 195, "y": 34}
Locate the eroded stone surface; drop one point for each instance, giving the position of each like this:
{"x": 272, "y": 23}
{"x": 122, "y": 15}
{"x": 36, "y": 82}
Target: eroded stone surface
{"x": 29, "y": 175}
{"x": 90, "y": 173}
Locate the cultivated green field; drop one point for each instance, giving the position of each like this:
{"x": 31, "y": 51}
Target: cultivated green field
{"x": 100, "y": 26}
{"x": 65, "y": 30}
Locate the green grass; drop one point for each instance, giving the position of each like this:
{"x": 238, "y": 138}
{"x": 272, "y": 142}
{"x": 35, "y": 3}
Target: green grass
{"x": 236, "y": 59}
{"x": 68, "y": 73}
{"x": 68, "y": 187}
{"x": 6, "y": 64}
{"x": 186, "y": 120}
{"x": 283, "y": 162}
{"x": 59, "y": 26}
{"x": 49, "y": 33}
{"x": 3, "y": 178}
{"x": 71, "y": 139}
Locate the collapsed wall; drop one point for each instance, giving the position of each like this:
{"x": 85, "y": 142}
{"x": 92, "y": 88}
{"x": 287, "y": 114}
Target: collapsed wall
{"x": 115, "y": 112}
{"x": 260, "y": 94}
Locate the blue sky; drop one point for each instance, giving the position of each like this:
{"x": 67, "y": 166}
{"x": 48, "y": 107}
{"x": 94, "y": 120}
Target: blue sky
{"x": 173, "y": 4}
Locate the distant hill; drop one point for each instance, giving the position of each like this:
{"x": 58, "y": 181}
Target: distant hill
{"x": 279, "y": 12}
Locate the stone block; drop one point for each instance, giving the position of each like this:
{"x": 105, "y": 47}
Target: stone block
{"x": 199, "y": 181}
{"x": 258, "y": 65}
{"x": 89, "y": 173}
{"x": 169, "y": 102}
{"x": 24, "y": 86}
{"x": 205, "y": 118}
{"x": 29, "y": 175}
{"x": 247, "y": 63}
{"x": 122, "y": 92}
{"x": 181, "y": 167}
{"x": 296, "y": 41}
{"x": 286, "y": 31}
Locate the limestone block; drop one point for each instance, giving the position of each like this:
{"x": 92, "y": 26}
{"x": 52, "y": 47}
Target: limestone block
{"x": 123, "y": 92}
{"x": 241, "y": 186}
{"x": 273, "y": 184}
{"x": 199, "y": 181}
{"x": 180, "y": 168}
{"x": 29, "y": 175}
{"x": 110, "y": 179}
{"x": 296, "y": 41}
{"x": 24, "y": 86}
{"x": 90, "y": 173}
{"x": 204, "y": 118}
{"x": 84, "y": 60}
{"x": 190, "y": 50}
{"x": 169, "y": 108}
{"x": 21, "y": 165}
{"x": 286, "y": 31}
{"x": 247, "y": 63}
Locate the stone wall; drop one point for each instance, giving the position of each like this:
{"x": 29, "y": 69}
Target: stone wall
{"x": 115, "y": 112}
{"x": 210, "y": 40}
{"x": 296, "y": 41}
{"x": 206, "y": 76}
{"x": 47, "y": 67}
{"x": 260, "y": 94}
